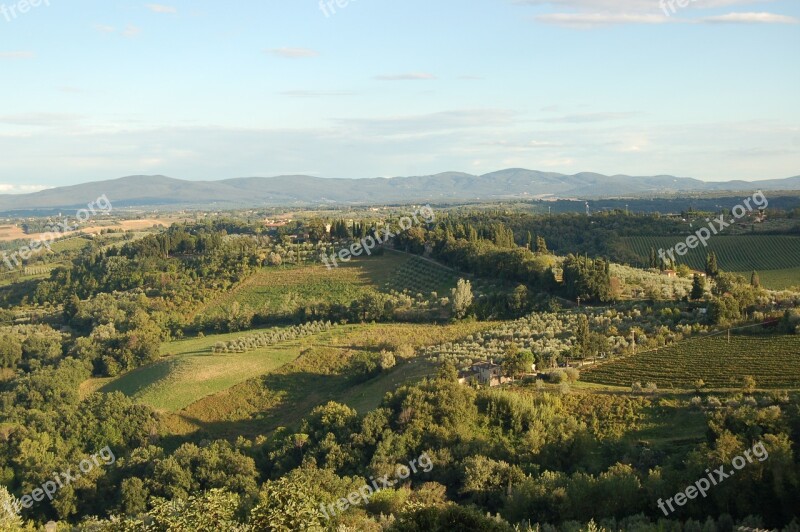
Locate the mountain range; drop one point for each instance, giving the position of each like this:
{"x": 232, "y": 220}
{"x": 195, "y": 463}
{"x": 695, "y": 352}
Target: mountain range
{"x": 299, "y": 190}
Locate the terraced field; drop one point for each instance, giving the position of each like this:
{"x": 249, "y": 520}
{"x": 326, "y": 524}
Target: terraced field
{"x": 741, "y": 253}
{"x": 774, "y": 362}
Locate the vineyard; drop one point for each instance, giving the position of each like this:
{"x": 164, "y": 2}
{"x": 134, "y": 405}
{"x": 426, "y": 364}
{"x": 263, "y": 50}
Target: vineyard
{"x": 281, "y": 289}
{"x": 421, "y": 276}
{"x": 773, "y": 361}
{"x": 734, "y": 253}
{"x": 780, "y": 279}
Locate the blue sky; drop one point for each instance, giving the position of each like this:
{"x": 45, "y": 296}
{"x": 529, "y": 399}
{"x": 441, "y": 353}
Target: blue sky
{"x": 96, "y": 90}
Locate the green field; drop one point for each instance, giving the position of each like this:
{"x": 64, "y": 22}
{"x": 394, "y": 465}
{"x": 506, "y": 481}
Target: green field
{"x": 735, "y": 253}
{"x": 777, "y": 279}
{"x": 774, "y": 362}
{"x": 70, "y": 244}
{"x": 420, "y": 276}
{"x": 189, "y": 371}
{"x": 279, "y": 289}
{"x": 320, "y": 374}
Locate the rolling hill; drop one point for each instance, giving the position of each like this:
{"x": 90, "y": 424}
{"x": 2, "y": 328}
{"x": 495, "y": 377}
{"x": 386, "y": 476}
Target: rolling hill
{"x": 134, "y": 191}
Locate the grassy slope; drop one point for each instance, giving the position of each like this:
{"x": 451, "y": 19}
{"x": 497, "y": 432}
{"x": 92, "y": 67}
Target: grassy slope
{"x": 189, "y": 371}
{"x": 279, "y": 288}
{"x": 774, "y": 362}
{"x": 284, "y": 396}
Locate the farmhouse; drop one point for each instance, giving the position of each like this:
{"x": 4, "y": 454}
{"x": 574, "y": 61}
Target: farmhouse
{"x": 485, "y": 373}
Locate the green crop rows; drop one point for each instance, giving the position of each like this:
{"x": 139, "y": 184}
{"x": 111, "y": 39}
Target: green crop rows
{"x": 420, "y": 276}
{"x": 735, "y": 253}
{"x": 774, "y": 362}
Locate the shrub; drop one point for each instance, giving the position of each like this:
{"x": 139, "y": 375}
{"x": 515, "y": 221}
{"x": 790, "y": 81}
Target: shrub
{"x": 572, "y": 374}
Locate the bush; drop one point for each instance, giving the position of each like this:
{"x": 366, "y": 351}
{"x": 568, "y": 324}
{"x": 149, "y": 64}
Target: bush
{"x": 572, "y": 374}
{"x": 387, "y": 361}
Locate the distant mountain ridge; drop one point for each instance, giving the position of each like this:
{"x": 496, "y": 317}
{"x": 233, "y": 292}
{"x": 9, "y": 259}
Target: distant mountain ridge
{"x": 299, "y": 190}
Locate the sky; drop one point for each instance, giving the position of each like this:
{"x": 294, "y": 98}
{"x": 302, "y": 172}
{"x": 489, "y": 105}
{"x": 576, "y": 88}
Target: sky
{"x": 94, "y": 90}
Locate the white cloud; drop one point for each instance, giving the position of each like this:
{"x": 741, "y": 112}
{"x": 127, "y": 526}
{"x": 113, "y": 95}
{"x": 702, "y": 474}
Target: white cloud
{"x": 630, "y": 6}
{"x": 17, "y": 55}
{"x": 593, "y": 20}
{"x": 131, "y": 31}
{"x": 103, "y": 28}
{"x": 406, "y": 145}
{"x": 292, "y": 53}
{"x": 751, "y": 18}
{"x": 21, "y": 189}
{"x": 315, "y": 94}
{"x": 421, "y": 125}
{"x": 39, "y": 119}
{"x": 586, "y": 14}
{"x": 158, "y": 8}
{"x": 589, "y": 117}
{"x": 409, "y": 76}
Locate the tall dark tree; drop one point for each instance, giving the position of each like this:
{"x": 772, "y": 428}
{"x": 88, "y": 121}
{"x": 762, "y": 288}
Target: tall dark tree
{"x": 541, "y": 245}
{"x": 712, "y": 267}
{"x": 698, "y": 287}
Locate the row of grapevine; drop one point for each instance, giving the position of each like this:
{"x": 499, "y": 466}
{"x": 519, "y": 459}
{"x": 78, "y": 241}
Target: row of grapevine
{"x": 774, "y": 362}
{"x": 270, "y": 337}
{"x": 420, "y": 276}
{"x": 734, "y": 253}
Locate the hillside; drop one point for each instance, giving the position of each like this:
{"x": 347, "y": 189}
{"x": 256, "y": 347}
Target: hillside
{"x": 143, "y": 190}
